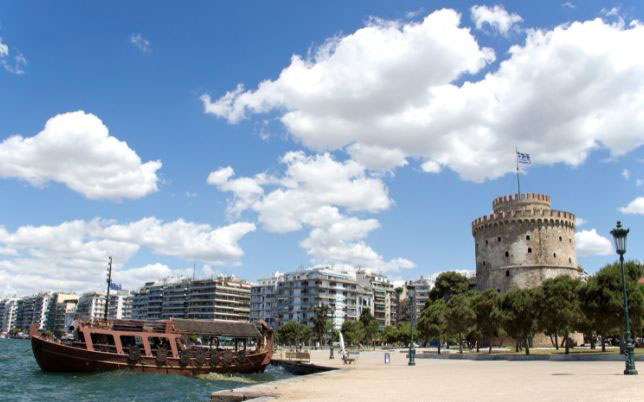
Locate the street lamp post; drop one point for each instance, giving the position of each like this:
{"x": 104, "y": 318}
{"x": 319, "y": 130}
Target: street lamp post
{"x": 411, "y": 290}
{"x": 331, "y": 341}
{"x": 619, "y": 235}
{"x": 297, "y": 331}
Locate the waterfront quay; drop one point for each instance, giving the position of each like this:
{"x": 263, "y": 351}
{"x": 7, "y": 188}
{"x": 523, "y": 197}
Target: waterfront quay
{"x": 370, "y": 379}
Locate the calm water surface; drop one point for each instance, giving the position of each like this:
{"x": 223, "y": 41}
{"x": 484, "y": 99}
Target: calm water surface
{"x": 22, "y": 380}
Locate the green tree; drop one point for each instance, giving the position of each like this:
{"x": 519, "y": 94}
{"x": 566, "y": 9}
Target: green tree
{"x": 610, "y": 295}
{"x": 594, "y": 305}
{"x": 292, "y": 333}
{"x": 370, "y": 326}
{"x": 431, "y": 323}
{"x": 520, "y": 315}
{"x": 404, "y": 329}
{"x": 460, "y": 317}
{"x": 448, "y": 284}
{"x": 352, "y": 331}
{"x": 489, "y": 317}
{"x": 559, "y": 307}
{"x": 321, "y": 323}
{"x": 390, "y": 334}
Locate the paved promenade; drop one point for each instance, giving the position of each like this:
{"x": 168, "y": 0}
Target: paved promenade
{"x": 458, "y": 380}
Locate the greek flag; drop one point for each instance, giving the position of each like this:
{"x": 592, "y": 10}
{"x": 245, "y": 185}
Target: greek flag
{"x": 115, "y": 286}
{"x": 523, "y": 158}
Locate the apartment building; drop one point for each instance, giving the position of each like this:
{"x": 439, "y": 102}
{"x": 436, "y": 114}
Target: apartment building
{"x": 383, "y": 294}
{"x": 263, "y": 300}
{"x": 221, "y": 298}
{"x": 422, "y": 287}
{"x": 292, "y": 296}
{"x": 33, "y": 309}
{"x": 91, "y": 305}
{"x": 8, "y": 310}
{"x": 60, "y": 304}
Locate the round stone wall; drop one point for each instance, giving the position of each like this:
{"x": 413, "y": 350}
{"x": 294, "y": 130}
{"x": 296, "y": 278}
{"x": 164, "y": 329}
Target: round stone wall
{"x": 523, "y": 243}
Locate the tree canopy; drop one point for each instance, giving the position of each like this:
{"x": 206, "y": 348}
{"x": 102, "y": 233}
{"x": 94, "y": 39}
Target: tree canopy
{"x": 448, "y": 284}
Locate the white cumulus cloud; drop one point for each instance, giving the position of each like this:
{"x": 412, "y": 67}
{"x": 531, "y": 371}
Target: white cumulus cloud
{"x": 319, "y": 193}
{"x": 73, "y": 255}
{"x": 393, "y": 86}
{"x": 77, "y": 150}
{"x": 496, "y": 17}
{"x": 634, "y": 207}
{"x": 589, "y": 242}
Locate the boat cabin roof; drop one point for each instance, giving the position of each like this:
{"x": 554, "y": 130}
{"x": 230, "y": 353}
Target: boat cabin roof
{"x": 215, "y": 328}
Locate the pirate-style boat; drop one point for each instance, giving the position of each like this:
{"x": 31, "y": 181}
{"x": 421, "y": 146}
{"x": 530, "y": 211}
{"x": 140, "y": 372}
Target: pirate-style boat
{"x": 175, "y": 346}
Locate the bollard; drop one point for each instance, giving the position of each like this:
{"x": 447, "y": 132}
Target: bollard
{"x": 331, "y": 352}
{"x": 387, "y": 358}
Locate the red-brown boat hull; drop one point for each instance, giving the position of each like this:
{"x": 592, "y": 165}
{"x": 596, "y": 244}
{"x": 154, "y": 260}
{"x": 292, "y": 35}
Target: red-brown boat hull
{"x": 55, "y": 356}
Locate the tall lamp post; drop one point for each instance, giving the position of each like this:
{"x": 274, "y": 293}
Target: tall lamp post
{"x": 619, "y": 235}
{"x": 411, "y": 291}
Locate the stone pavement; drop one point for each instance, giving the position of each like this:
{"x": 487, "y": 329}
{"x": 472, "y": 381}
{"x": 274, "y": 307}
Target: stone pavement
{"x": 369, "y": 379}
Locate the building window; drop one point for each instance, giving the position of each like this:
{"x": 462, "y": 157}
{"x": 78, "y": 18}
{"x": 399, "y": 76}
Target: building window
{"x": 498, "y": 238}
{"x": 570, "y": 260}
{"x": 483, "y": 262}
{"x": 527, "y": 237}
{"x": 507, "y": 272}
{"x": 529, "y": 249}
{"x": 560, "y": 238}
{"x": 554, "y": 255}
{"x": 486, "y": 242}
{"x": 507, "y": 254}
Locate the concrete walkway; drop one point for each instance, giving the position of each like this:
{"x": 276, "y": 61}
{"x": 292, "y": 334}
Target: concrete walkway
{"x": 369, "y": 379}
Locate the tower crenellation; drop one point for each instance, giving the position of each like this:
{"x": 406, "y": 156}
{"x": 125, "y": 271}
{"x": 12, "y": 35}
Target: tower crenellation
{"x": 523, "y": 243}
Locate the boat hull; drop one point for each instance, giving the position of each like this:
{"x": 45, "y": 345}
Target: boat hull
{"x": 57, "y": 357}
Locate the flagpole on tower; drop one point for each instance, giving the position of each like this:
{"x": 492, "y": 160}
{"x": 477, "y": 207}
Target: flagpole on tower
{"x": 518, "y": 182}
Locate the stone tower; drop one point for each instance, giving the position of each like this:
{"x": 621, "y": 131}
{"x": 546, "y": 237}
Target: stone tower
{"x": 523, "y": 243}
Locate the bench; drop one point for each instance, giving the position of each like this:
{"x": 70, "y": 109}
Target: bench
{"x": 299, "y": 356}
{"x": 350, "y": 357}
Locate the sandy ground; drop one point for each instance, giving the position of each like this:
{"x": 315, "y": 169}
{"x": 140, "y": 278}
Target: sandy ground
{"x": 453, "y": 380}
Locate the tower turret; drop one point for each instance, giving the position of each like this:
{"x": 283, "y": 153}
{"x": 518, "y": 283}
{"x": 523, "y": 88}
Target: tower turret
{"x": 523, "y": 243}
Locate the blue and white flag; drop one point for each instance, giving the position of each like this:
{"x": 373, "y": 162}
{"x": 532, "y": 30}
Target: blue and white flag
{"x": 115, "y": 286}
{"x": 523, "y": 158}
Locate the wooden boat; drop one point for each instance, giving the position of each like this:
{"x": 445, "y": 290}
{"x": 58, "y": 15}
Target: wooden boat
{"x": 175, "y": 346}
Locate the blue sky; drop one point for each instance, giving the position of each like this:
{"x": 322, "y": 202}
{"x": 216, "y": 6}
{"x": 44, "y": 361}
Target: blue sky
{"x": 248, "y": 137}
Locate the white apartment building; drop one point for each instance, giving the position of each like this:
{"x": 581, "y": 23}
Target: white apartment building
{"x": 59, "y": 304}
{"x": 221, "y": 298}
{"x": 91, "y": 305}
{"x": 33, "y": 309}
{"x": 292, "y": 296}
{"x": 384, "y": 296}
{"x": 8, "y": 314}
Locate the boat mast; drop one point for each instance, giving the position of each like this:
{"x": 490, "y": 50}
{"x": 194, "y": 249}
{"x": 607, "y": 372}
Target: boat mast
{"x": 109, "y": 285}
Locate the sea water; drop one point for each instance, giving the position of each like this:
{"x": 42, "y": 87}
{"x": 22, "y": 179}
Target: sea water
{"x": 22, "y": 380}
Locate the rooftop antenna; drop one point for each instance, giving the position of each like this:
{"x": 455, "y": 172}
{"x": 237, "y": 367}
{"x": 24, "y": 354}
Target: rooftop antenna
{"x": 109, "y": 285}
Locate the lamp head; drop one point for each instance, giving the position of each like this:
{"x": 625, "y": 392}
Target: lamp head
{"x": 619, "y": 236}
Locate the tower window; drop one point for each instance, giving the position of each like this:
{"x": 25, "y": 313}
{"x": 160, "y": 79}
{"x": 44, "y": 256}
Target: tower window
{"x": 529, "y": 249}
{"x": 554, "y": 255}
{"x": 560, "y": 238}
{"x": 486, "y": 242}
{"x": 527, "y": 237}
{"x": 507, "y": 254}
{"x": 570, "y": 260}
{"x": 498, "y": 238}
{"x": 569, "y": 240}
{"x": 483, "y": 262}
{"x": 507, "y": 273}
